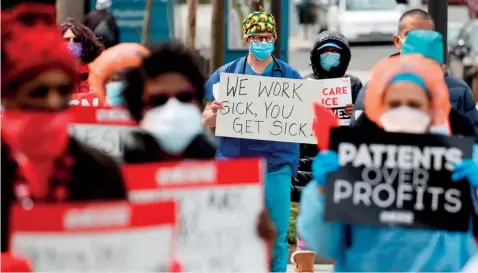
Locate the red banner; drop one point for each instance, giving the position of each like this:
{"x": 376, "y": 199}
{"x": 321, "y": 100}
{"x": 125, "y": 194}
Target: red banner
{"x": 111, "y": 236}
{"x": 190, "y": 174}
{"x": 101, "y": 116}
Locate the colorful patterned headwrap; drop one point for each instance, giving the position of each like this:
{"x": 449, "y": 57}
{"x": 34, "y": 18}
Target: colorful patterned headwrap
{"x": 259, "y": 22}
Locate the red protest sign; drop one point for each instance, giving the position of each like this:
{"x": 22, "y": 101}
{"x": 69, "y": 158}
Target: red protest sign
{"x": 101, "y": 127}
{"x": 95, "y": 236}
{"x": 219, "y": 202}
{"x": 323, "y": 122}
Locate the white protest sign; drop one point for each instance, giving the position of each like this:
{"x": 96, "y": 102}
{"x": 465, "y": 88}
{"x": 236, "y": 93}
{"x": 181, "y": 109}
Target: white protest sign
{"x": 114, "y": 236}
{"x": 219, "y": 210}
{"x": 276, "y": 109}
{"x": 102, "y": 127}
{"x": 215, "y": 91}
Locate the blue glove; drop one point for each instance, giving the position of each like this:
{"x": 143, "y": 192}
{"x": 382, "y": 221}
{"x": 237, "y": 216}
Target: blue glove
{"x": 324, "y": 163}
{"x": 468, "y": 169}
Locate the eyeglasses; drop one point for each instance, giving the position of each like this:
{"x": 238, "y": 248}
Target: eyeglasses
{"x": 183, "y": 96}
{"x": 42, "y": 91}
{"x": 72, "y": 39}
{"x": 259, "y": 39}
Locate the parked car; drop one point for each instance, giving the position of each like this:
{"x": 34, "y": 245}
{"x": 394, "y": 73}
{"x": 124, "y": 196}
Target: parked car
{"x": 364, "y": 20}
{"x": 464, "y": 52}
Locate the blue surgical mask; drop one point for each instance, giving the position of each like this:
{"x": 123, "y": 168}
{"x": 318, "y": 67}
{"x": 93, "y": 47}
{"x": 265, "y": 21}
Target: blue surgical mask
{"x": 114, "y": 93}
{"x": 262, "y": 50}
{"x": 329, "y": 60}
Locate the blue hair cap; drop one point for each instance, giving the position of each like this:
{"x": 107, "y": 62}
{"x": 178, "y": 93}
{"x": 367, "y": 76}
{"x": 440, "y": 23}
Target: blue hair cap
{"x": 428, "y": 43}
{"x": 329, "y": 45}
{"x": 409, "y": 77}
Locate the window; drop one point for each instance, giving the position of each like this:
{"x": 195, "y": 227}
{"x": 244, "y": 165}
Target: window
{"x": 365, "y": 5}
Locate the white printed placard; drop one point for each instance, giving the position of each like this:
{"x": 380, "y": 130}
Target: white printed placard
{"x": 277, "y": 109}
{"x": 102, "y": 127}
{"x": 113, "y": 236}
{"x": 219, "y": 209}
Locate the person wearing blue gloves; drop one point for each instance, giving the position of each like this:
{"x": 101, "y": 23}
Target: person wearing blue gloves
{"x": 282, "y": 158}
{"x": 416, "y": 35}
{"x": 402, "y": 88}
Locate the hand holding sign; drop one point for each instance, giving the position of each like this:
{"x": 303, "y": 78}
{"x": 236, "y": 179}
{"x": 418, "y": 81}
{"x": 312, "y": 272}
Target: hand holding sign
{"x": 216, "y": 105}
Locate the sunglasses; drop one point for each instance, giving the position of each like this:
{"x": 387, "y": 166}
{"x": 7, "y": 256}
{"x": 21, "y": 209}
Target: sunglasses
{"x": 43, "y": 90}
{"x": 72, "y": 39}
{"x": 183, "y": 96}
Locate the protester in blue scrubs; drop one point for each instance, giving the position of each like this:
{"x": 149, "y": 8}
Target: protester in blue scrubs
{"x": 260, "y": 34}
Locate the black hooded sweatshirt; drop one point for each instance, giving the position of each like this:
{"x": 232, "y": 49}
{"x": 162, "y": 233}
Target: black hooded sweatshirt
{"x": 309, "y": 151}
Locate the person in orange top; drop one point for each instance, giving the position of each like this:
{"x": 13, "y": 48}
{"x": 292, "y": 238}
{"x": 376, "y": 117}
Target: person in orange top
{"x": 107, "y": 71}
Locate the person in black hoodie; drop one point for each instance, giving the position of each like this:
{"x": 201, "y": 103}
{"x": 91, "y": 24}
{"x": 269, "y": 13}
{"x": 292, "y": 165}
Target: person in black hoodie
{"x": 164, "y": 95}
{"x": 330, "y": 58}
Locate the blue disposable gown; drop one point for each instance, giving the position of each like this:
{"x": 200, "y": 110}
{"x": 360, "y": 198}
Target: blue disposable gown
{"x": 381, "y": 249}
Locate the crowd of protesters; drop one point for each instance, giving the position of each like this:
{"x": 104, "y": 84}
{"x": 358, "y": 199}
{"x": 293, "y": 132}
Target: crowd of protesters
{"x": 163, "y": 89}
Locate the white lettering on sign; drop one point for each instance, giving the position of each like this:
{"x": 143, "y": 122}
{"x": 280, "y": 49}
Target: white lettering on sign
{"x": 276, "y": 109}
{"x": 395, "y": 175}
{"x": 96, "y": 218}
{"x": 187, "y": 174}
{"x": 112, "y": 115}
{"x": 399, "y": 156}
{"x": 84, "y": 102}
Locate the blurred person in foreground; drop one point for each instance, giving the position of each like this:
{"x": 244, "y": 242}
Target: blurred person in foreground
{"x": 260, "y": 34}
{"x": 407, "y": 88}
{"x": 103, "y": 23}
{"x": 430, "y": 45}
{"x": 40, "y": 161}
{"x": 164, "y": 94}
{"x": 107, "y": 72}
{"x": 330, "y": 58}
{"x": 84, "y": 46}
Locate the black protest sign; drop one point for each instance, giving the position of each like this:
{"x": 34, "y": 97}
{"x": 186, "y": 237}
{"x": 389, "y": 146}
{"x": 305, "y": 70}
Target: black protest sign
{"x": 392, "y": 179}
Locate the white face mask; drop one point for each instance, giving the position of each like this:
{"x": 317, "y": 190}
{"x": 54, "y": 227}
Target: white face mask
{"x": 405, "y": 119}
{"x": 174, "y": 124}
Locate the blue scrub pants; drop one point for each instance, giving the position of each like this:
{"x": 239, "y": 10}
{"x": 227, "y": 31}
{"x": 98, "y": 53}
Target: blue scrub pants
{"x": 277, "y": 193}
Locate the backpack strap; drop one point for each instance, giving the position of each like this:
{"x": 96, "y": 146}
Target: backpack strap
{"x": 348, "y": 235}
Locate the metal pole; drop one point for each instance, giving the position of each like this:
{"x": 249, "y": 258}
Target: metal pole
{"x": 438, "y": 9}
{"x": 218, "y": 43}
{"x": 257, "y": 5}
{"x": 192, "y": 12}
{"x": 276, "y": 10}
{"x": 146, "y": 34}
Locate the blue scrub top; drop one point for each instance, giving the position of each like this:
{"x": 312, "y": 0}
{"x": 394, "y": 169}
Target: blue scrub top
{"x": 277, "y": 154}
